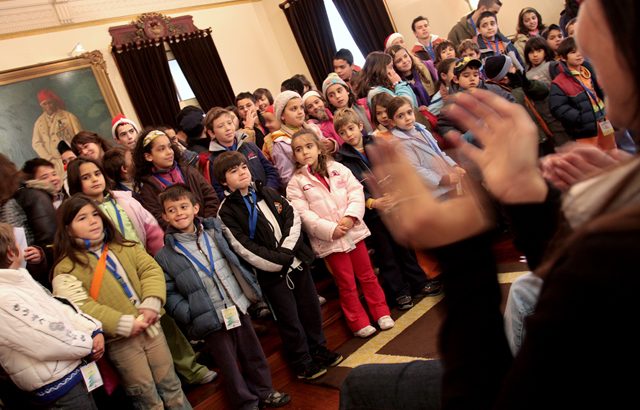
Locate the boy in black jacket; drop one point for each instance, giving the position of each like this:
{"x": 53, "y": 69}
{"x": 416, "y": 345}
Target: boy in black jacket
{"x": 398, "y": 266}
{"x": 263, "y": 229}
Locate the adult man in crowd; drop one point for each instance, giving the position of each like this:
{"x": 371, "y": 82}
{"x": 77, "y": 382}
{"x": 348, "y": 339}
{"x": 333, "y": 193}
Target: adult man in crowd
{"x": 427, "y": 42}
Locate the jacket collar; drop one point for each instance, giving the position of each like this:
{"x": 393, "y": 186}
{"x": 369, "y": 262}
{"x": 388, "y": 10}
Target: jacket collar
{"x": 200, "y": 223}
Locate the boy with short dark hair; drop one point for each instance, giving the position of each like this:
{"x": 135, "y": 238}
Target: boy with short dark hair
{"x": 41, "y": 174}
{"x": 208, "y": 294}
{"x": 263, "y": 229}
{"x": 577, "y": 100}
{"x": 250, "y": 116}
{"x": 492, "y": 42}
{"x": 344, "y": 67}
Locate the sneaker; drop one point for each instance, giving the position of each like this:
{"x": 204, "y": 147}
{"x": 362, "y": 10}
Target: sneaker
{"x": 432, "y": 288}
{"x": 312, "y": 371}
{"x": 365, "y": 332}
{"x": 275, "y": 399}
{"x": 208, "y": 377}
{"x": 322, "y": 300}
{"x": 404, "y": 302}
{"x": 385, "y": 322}
{"x": 327, "y": 358}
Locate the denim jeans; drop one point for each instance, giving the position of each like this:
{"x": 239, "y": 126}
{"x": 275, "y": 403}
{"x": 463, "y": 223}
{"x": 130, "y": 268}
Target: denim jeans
{"x": 521, "y": 302}
{"x": 407, "y": 386}
{"x": 145, "y": 366}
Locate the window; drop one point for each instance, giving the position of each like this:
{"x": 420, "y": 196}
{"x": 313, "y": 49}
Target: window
{"x": 341, "y": 35}
{"x": 182, "y": 86}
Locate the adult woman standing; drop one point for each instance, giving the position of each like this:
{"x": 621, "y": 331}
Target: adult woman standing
{"x": 558, "y": 363}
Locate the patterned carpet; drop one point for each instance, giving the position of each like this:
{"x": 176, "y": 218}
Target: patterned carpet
{"x": 414, "y": 337}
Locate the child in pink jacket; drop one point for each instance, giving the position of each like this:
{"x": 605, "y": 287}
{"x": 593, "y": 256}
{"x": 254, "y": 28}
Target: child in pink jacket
{"x": 330, "y": 201}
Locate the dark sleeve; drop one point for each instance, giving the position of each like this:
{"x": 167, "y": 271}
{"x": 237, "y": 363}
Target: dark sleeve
{"x": 472, "y": 342}
{"x": 149, "y": 200}
{"x": 273, "y": 177}
{"x": 209, "y": 196}
{"x": 40, "y": 213}
{"x": 176, "y": 305}
{"x": 560, "y": 106}
{"x": 534, "y": 225}
{"x": 257, "y": 255}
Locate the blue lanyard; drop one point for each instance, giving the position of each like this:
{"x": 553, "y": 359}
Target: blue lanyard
{"x": 167, "y": 183}
{"x": 252, "y": 207}
{"x": 473, "y": 24}
{"x": 120, "y": 223}
{"x": 490, "y": 45}
{"x": 233, "y": 147}
{"x": 209, "y": 271}
{"x": 431, "y": 52}
{"x": 594, "y": 97}
{"x": 112, "y": 267}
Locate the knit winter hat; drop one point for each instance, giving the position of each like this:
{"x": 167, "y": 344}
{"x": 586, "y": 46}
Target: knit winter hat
{"x": 332, "y": 79}
{"x": 189, "y": 120}
{"x": 463, "y": 63}
{"x": 310, "y": 93}
{"x": 497, "y": 67}
{"x": 388, "y": 42}
{"x": 281, "y": 101}
{"x": 119, "y": 120}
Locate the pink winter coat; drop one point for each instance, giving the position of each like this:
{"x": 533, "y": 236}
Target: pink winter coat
{"x": 150, "y": 233}
{"x": 321, "y": 209}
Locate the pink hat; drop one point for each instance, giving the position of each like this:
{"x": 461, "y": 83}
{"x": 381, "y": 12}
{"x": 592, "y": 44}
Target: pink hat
{"x": 119, "y": 120}
{"x": 392, "y": 37}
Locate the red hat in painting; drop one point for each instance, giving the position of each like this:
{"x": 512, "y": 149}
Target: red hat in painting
{"x": 46, "y": 94}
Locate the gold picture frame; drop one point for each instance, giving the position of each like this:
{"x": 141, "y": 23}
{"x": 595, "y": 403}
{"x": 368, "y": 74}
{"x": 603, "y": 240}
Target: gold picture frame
{"x": 82, "y": 85}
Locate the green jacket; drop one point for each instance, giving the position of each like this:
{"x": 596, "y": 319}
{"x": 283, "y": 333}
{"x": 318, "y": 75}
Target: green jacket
{"x": 461, "y": 31}
{"x": 146, "y": 277}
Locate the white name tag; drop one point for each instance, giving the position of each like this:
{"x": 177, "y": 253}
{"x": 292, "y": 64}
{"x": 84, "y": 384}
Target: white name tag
{"x": 231, "y": 317}
{"x": 91, "y": 376}
{"x": 606, "y": 127}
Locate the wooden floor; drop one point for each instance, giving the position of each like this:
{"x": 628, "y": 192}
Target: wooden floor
{"x": 306, "y": 396}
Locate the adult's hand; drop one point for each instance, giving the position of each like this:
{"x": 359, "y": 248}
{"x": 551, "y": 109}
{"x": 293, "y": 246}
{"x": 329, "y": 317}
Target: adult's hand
{"x": 414, "y": 217}
{"x": 509, "y": 157}
{"x": 575, "y": 162}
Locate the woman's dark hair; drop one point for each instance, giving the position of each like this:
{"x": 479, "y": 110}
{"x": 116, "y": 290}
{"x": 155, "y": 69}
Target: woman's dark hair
{"x": 622, "y": 17}
{"x": 65, "y": 244}
{"x": 73, "y": 175}
{"x": 373, "y": 73}
{"x": 142, "y": 166}
{"x": 11, "y": 178}
{"x": 259, "y": 92}
{"x": 85, "y": 137}
{"x": 522, "y": 29}
{"x": 536, "y": 43}
{"x": 571, "y": 8}
{"x": 323, "y": 157}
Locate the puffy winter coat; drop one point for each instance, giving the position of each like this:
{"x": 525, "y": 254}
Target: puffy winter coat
{"x": 321, "y": 209}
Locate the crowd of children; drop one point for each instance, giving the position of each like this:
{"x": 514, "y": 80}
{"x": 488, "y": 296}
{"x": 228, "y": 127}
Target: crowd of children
{"x": 164, "y": 236}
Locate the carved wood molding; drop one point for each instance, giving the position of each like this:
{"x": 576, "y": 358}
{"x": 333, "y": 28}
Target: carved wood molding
{"x": 150, "y": 28}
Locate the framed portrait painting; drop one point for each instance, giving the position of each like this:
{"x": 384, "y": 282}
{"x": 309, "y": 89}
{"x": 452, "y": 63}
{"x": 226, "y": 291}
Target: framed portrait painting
{"x": 44, "y": 104}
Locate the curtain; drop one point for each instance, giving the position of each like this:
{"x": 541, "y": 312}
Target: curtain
{"x": 367, "y": 21}
{"x": 145, "y": 72}
{"x": 310, "y": 26}
{"x": 201, "y": 64}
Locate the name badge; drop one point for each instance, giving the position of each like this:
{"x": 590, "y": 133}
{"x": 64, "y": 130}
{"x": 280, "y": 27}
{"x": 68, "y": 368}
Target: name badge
{"x": 231, "y": 317}
{"x": 606, "y": 127}
{"x": 91, "y": 376}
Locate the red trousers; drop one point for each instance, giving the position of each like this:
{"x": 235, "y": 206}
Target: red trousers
{"x": 346, "y": 267}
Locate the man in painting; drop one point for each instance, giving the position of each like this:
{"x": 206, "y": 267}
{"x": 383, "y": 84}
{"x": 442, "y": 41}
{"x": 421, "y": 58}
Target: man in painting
{"x": 55, "y": 124}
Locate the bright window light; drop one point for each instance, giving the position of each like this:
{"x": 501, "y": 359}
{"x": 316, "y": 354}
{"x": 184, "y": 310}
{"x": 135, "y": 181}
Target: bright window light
{"x": 182, "y": 85}
{"x": 341, "y": 35}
